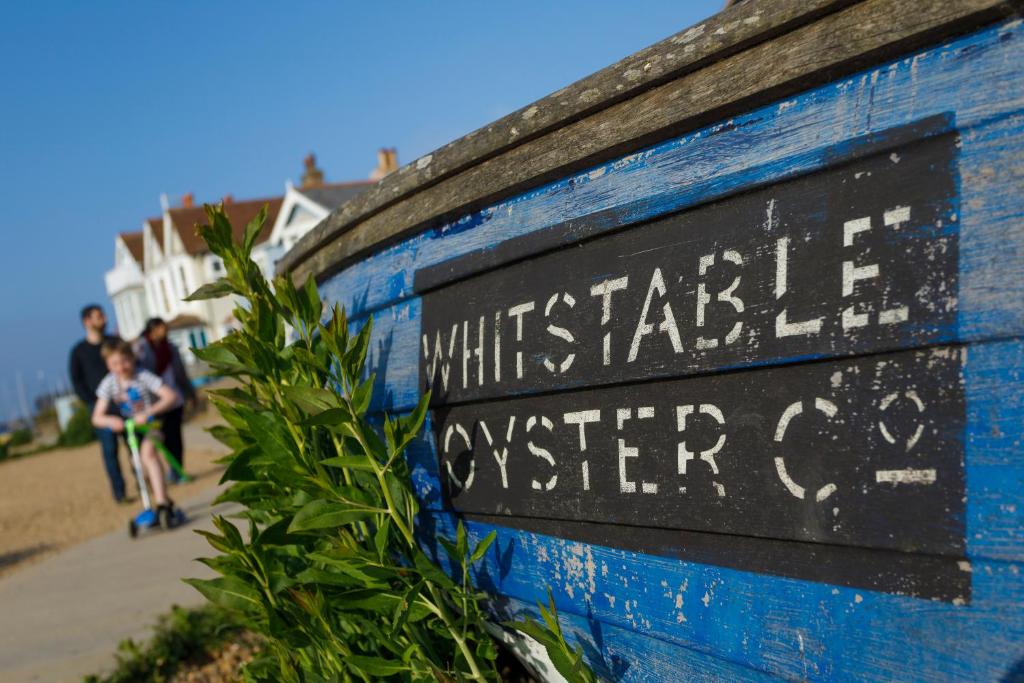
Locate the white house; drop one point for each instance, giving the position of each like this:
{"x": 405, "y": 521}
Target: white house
{"x": 155, "y": 269}
{"x": 185, "y": 264}
{"x": 126, "y": 284}
{"x": 304, "y": 207}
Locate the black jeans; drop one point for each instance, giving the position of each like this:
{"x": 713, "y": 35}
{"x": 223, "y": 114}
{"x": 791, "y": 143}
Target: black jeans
{"x": 170, "y": 425}
{"x": 108, "y": 444}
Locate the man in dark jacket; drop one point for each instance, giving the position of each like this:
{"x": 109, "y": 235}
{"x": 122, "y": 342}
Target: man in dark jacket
{"x": 87, "y": 368}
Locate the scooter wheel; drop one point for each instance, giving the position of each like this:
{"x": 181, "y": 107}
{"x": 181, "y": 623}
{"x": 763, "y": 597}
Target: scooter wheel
{"x": 164, "y": 518}
{"x": 133, "y": 529}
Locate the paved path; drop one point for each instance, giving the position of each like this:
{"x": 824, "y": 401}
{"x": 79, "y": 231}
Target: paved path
{"x": 63, "y": 618}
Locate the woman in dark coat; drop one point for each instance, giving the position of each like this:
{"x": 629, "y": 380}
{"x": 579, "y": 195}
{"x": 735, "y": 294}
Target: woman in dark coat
{"x": 154, "y": 352}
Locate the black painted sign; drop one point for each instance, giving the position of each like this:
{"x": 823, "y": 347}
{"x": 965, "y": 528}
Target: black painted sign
{"x": 864, "y": 452}
{"x": 858, "y": 258}
{"x": 575, "y": 393}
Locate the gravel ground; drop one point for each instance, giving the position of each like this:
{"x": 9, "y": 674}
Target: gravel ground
{"x": 224, "y": 667}
{"x": 53, "y": 500}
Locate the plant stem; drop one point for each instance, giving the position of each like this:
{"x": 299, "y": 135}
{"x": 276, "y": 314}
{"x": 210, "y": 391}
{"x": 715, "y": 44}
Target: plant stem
{"x": 467, "y": 653}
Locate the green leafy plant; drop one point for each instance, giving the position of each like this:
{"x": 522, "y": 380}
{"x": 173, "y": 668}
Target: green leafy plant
{"x": 79, "y": 430}
{"x": 329, "y": 569}
{"x": 21, "y": 437}
{"x": 180, "y": 636}
{"x": 567, "y": 660}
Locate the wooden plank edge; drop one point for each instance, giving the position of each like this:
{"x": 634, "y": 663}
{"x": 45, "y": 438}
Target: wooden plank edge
{"x": 730, "y": 31}
{"x": 375, "y": 232}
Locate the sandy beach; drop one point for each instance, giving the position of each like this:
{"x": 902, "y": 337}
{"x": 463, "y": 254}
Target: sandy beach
{"x": 54, "y": 500}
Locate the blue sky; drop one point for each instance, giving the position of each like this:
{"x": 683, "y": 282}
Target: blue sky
{"x": 107, "y": 105}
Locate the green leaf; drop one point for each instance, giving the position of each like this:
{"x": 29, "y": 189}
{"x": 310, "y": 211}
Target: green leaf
{"x": 253, "y": 230}
{"x": 413, "y": 422}
{"x": 461, "y": 543}
{"x": 230, "y": 592}
{"x": 234, "y": 394}
{"x": 286, "y": 297}
{"x": 241, "y": 466}
{"x": 486, "y": 650}
{"x": 355, "y": 356}
{"x": 276, "y": 534}
{"x": 430, "y": 571}
{"x": 380, "y": 538}
{"x": 312, "y": 306}
{"x": 352, "y": 462}
{"x": 550, "y": 615}
{"x": 332, "y": 417}
{"x": 219, "y": 356}
{"x": 324, "y": 577}
{"x": 212, "y": 290}
{"x": 365, "y": 570}
{"x": 376, "y": 666}
{"x": 312, "y": 400}
{"x": 227, "y": 436}
{"x": 408, "y": 609}
{"x": 362, "y": 394}
{"x": 230, "y": 531}
{"x": 217, "y": 541}
{"x": 452, "y": 550}
{"x": 271, "y": 435}
{"x": 482, "y": 546}
{"x": 325, "y": 514}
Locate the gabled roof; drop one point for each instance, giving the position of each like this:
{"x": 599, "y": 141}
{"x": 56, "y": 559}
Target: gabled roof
{"x": 157, "y": 226}
{"x": 332, "y": 195}
{"x": 185, "y": 220}
{"x": 135, "y": 243}
{"x": 184, "y": 321}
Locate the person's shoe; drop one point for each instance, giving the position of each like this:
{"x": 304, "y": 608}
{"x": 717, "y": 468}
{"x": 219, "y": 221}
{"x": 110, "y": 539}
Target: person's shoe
{"x": 167, "y": 515}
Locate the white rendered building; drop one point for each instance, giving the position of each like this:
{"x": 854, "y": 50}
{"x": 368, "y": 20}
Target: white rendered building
{"x": 156, "y": 268}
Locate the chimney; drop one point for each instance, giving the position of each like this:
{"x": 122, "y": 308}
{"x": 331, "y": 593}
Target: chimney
{"x": 313, "y": 176}
{"x": 188, "y": 201}
{"x": 228, "y": 199}
{"x": 387, "y": 162}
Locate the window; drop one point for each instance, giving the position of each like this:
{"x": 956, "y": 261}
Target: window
{"x": 184, "y": 281}
{"x": 163, "y": 294}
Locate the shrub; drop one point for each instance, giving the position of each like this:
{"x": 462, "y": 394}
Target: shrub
{"x": 79, "y": 430}
{"x": 180, "y": 636}
{"x": 20, "y": 437}
{"x": 330, "y": 571}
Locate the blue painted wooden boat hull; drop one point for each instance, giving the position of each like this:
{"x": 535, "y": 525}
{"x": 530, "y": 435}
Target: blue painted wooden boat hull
{"x": 650, "y": 616}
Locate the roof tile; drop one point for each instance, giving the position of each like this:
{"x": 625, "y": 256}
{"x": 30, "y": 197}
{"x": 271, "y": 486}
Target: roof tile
{"x": 185, "y": 220}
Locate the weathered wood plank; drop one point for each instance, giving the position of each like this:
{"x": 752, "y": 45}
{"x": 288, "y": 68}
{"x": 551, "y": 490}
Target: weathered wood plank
{"x": 788, "y": 628}
{"x": 730, "y": 31}
{"x": 838, "y": 43}
{"x": 623, "y": 655}
{"x": 763, "y": 146}
{"x": 860, "y": 257}
{"x": 992, "y": 431}
{"x": 865, "y": 452}
{"x": 991, "y": 284}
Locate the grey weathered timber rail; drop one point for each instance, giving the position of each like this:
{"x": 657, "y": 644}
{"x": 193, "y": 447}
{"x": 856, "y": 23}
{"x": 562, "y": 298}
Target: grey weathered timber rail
{"x": 746, "y": 55}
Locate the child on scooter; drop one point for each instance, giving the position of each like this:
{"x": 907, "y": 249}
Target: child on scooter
{"x": 138, "y": 395}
